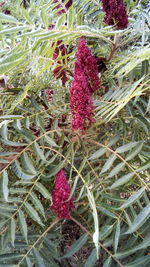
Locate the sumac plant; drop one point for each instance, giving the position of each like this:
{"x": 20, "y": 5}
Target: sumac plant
{"x": 74, "y": 133}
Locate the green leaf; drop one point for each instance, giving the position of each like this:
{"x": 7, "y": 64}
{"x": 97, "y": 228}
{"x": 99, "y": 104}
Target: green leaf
{"x": 28, "y": 262}
{"x": 98, "y": 153}
{"x": 39, "y": 260}
{"x": 11, "y": 143}
{"x": 107, "y": 262}
{"x": 33, "y": 213}
{"x": 43, "y": 190}
{"x": 44, "y": 17}
{"x": 23, "y": 224}
{"x": 144, "y": 166}
{"x": 91, "y": 260}
{"x": 95, "y": 217}
{"x": 20, "y": 97}
{"x": 105, "y": 231}
{"x": 6, "y": 67}
{"x": 113, "y": 140}
{"x": 39, "y": 151}
{"x": 140, "y": 262}
{"x": 126, "y": 147}
{"x": 108, "y": 163}
{"x": 123, "y": 180}
{"x": 26, "y": 15}
{"x": 12, "y": 231}
{"x": 11, "y": 117}
{"x": 13, "y": 30}
{"x": 7, "y": 18}
{"x": 28, "y": 164}
{"x": 4, "y": 185}
{"x": 117, "y": 235}
{"x": 133, "y": 198}
{"x": 20, "y": 173}
{"x": 116, "y": 169}
{"x": 50, "y": 141}
{"x": 71, "y": 16}
{"x": 37, "y": 203}
{"x": 139, "y": 220}
{"x": 10, "y": 258}
{"x": 144, "y": 244}
{"x": 134, "y": 152}
{"x": 107, "y": 212}
{"x": 76, "y": 246}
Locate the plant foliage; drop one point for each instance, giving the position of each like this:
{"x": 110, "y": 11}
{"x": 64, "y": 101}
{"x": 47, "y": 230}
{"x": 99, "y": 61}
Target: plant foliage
{"x": 107, "y": 167}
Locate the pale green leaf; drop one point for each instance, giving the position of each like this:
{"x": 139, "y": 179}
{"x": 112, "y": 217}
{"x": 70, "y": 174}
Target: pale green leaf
{"x": 33, "y": 213}
{"x": 43, "y": 190}
{"x": 20, "y": 173}
{"x": 139, "y": 220}
{"x": 39, "y": 151}
{"x": 12, "y": 231}
{"x": 107, "y": 262}
{"x": 133, "y": 198}
{"x": 7, "y": 18}
{"x": 116, "y": 169}
{"x": 117, "y": 235}
{"x": 108, "y": 163}
{"x": 98, "y": 153}
{"x": 28, "y": 164}
{"x": 23, "y": 224}
{"x": 126, "y": 147}
{"x": 4, "y": 185}
{"x": 91, "y": 260}
{"x": 123, "y": 180}
{"x": 76, "y": 246}
{"x": 37, "y": 203}
{"x": 38, "y": 258}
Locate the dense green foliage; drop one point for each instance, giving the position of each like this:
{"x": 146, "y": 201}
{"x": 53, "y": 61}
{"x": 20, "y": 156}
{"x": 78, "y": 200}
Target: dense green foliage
{"x": 107, "y": 167}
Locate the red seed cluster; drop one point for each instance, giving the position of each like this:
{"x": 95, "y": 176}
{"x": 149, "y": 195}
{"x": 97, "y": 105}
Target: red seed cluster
{"x": 88, "y": 63}
{"x": 63, "y": 7}
{"x": 85, "y": 82}
{"x": 61, "y": 192}
{"x": 115, "y": 13}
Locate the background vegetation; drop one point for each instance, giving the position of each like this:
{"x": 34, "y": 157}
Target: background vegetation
{"x": 107, "y": 167}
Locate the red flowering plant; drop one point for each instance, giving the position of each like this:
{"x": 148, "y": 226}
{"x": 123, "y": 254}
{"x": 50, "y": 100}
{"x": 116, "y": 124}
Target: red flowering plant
{"x": 62, "y": 205}
{"x": 115, "y": 13}
{"x": 51, "y": 81}
{"x": 86, "y": 81}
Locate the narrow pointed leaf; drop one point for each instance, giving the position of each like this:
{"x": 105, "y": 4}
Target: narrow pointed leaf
{"x": 133, "y": 198}
{"x": 4, "y": 185}
{"x": 117, "y": 235}
{"x": 12, "y": 231}
{"x": 116, "y": 169}
{"x": 43, "y": 190}
{"x": 28, "y": 164}
{"x": 33, "y": 213}
{"x": 126, "y": 147}
{"x": 108, "y": 163}
{"x": 20, "y": 173}
{"x": 107, "y": 263}
{"x": 76, "y": 246}
{"x": 123, "y": 180}
{"x": 38, "y": 258}
{"x": 139, "y": 220}
{"x": 23, "y": 224}
{"x": 91, "y": 260}
{"x": 98, "y": 153}
{"x": 39, "y": 151}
